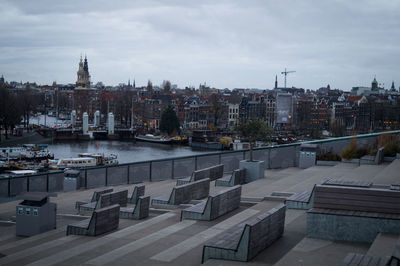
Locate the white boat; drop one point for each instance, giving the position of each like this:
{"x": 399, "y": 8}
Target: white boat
{"x": 154, "y": 139}
{"x": 101, "y": 159}
{"x": 22, "y": 172}
{"x": 80, "y": 162}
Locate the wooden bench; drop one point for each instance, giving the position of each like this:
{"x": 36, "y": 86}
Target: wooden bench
{"x": 107, "y": 199}
{"x": 377, "y": 159}
{"x": 95, "y": 197}
{"x": 102, "y": 221}
{"x": 140, "y": 211}
{"x": 305, "y": 200}
{"x": 138, "y": 191}
{"x": 354, "y": 259}
{"x": 243, "y": 242}
{"x": 185, "y": 193}
{"x": 361, "y": 259}
{"x": 237, "y": 178}
{"x": 215, "y": 206}
{"x": 213, "y": 173}
{"x": 355, "y": 214}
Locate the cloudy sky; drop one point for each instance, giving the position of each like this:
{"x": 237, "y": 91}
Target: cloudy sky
{"x": 227, "y": 44}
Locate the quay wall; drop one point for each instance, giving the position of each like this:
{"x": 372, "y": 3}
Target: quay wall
{"x": 279, "y": 156}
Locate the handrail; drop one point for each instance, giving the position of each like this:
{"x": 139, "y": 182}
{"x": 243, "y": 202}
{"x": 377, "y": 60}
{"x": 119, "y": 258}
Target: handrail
{"x": 195, "y": 157}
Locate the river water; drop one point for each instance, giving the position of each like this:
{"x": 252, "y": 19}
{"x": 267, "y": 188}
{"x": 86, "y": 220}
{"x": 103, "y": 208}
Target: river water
{"x": 127, "y": 151}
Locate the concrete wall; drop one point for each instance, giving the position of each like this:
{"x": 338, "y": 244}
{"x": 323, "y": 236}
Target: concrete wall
{"x": 349, "y": 228}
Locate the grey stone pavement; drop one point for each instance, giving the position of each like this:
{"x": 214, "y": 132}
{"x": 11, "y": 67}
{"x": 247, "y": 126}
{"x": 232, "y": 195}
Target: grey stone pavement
{"x": 162, "y": 239}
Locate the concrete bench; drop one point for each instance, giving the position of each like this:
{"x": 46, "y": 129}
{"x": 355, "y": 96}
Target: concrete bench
{"x": 102, "y": 221}
{"x": 213, "y": 173}
{"x": 107, "y": 199}
{"x": 95, "y": 197}
{"x": 140, "y": 211}
{"x": 185, "y": 193}
{"x": 237, "y": 178}
{"x": 138, "y": 191}
{"x": 353, "y": 213}
{"x": 215, "y": 206}
{"x": 243, "y": 242}
{"x": 377, "y": 159}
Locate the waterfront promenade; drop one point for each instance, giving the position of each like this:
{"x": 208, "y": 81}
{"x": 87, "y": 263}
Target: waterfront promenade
{"x": 162, "y": 239}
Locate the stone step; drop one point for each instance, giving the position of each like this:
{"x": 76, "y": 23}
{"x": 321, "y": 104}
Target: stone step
{"x": 383, "y": 245}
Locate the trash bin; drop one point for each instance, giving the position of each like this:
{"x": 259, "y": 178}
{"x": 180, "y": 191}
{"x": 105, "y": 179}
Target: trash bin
{"x": 308, "y": 155}
{"x": 35, "y": 214}
{"x": 71, "y": 180}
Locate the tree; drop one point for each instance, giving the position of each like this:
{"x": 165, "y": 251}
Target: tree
{"x": 253, "y": 130}
{"x": 169, "y": 121}
{"x": 149, "y": 87}
{"x": 166, "y": 86}
{"x": 10, "y": 111}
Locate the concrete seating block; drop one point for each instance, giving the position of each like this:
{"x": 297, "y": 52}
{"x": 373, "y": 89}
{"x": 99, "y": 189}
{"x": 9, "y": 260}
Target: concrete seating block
{"x": 237, "y": 178}
{"x": 377, "y": 159}
{"x": 95, "y": 197}
{"x": 107, "y": 199}
{"x": 185, "y": 193}
{"x": 138, "y": 191}
{"x": 102, "y": 221}
{"x": 215, "y": 206}
{"x": 244, "y": 241}
{"x": 213, "y": 173}
{"x": 140, "y": 211}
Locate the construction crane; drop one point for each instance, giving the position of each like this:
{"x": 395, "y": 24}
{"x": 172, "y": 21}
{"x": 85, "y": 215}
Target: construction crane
{"x": 285, "y": 73}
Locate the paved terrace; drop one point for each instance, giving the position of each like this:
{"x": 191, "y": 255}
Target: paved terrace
{"x": 162, "y": 239}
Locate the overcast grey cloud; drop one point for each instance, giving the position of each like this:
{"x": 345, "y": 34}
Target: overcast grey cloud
{"x": 224, "y": 43}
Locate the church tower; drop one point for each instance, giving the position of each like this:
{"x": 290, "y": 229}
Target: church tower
{"x": 82, "y": 89}
{"x": 392, "y": 88}
{"x": 374, "y": 84}
{"x": 83, "y": 80}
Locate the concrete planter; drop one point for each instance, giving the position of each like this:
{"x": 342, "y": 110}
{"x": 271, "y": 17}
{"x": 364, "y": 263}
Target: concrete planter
{"x": 389, "y": 159}
{"x": 357, "y": 161}
{"x": 327, "y": 163}
{"x": 254, "y": 170}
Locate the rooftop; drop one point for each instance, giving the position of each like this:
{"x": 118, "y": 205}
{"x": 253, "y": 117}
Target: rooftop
{"x": 162, "y": 239}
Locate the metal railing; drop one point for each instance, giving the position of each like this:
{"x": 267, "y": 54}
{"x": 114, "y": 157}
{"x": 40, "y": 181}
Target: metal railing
{"x": 279, "y": 156}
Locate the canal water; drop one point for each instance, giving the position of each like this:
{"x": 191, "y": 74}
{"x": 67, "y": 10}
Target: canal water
{"x": 127, "y": 151}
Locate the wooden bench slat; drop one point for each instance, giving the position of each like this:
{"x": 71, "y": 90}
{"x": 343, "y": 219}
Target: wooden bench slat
{"x": 358, "y": 191}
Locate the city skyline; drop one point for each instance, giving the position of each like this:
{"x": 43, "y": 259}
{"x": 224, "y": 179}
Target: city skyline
{"x": 227, "y": 45}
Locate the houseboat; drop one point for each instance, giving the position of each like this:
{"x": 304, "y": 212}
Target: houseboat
{"x": 101, "y": 159}
{"x": 80, "y": 162}
{"x": 153, "y": 139}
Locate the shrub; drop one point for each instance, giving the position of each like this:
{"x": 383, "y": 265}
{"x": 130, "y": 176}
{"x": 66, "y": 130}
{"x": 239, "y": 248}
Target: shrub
{"x": 391, "y": 149}
{"x": 391, "y": 144}
{"x": 350, "y": 152}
